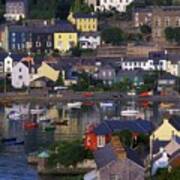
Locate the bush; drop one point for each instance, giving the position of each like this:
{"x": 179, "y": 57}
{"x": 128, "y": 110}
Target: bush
{"x": 113, "y": 35}
{"x": 145, "y": 29}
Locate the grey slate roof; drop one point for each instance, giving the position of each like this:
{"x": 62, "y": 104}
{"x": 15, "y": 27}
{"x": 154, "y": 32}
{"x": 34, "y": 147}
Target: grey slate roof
{"x": 175, "y": 122}
{"x": 106, "y": 155}
{"x": 85, "y": 15}
{"x": 110, "y": 126}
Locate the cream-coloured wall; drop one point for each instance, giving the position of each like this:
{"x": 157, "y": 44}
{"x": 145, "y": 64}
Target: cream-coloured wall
{"x": 46, "y": 71}
{"x": 164, "y": 132}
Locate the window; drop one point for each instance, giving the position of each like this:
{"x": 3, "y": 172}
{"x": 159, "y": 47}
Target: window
{"x": 20, "y": 70}
{"x": 115, "y": 177}
{"x": 100, "y": 141}
{"x": 38, "y": 44}
{"x": 20, "y": 76}
{"x": 104, "y": 73}
{"x": 49, "y": 44}
{"x": 59, "y": 36}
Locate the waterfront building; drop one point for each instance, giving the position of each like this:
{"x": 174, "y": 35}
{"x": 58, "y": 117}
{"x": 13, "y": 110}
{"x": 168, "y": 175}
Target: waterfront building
{"x": 106, "y": 74}
{"x": 47, "y": 71}
{"x": 84, "y": 22}
{"x": 8, "y": 65}
{"x": 65, "y": 37}
{"x": 168, "y": 129}
{"x": 21, "y": 74}
{"x": 16, "y": 9}
{"x": 98, "y": 136}
{"x": 90, "y": 40}
{"x": 19, "y": 38}
{"x": 108, "y": 5}
{"x": 159, "y": 18}
{"x": 116, "y": 162}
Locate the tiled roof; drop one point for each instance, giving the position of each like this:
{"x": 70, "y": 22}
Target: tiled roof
{"x": 158, "y": 144}
{"x": 84, "y": 15}
{"x": 109, "y": 126}
{"x": 132, "y": 155}
{"x": 61, "y": 26}
{"x": 104, "y": 156}
{"x": 15, "y": 57}
{"x": 175, "y": 123}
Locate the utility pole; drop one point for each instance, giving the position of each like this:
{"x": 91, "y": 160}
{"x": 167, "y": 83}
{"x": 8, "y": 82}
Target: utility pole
{"x": 5, "y": 88}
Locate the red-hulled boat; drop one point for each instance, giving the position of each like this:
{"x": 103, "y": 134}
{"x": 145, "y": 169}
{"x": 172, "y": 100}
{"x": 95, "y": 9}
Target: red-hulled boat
{"x": 30, "y": 125}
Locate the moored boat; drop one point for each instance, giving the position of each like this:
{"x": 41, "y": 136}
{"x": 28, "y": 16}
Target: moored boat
{"x": 74, "y": 105}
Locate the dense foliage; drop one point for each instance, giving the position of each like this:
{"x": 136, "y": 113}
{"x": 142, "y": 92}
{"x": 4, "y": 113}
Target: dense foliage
{"x": 113, "y": 35}
{"x": 126, "y": 138}
{"x": 68, "y": 153}
{"x": 2, "y": 9}
{"x": 164, "y": 174}
{"x": 173, "y": 34}
{"x": 55, "y": 9}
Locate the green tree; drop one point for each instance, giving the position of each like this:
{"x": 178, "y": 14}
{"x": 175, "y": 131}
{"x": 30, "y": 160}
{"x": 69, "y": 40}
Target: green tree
{"x": 145, "y": 29}
{"x": 63, "y": 8}
{"x": 68, "y": 153}
{"x": 177, "y": 35}
{"x": 113, "y": 35}
{"x": 80, "y": 6}
{"x": 169, "y": 34}
{"x": 164, "y": 174}
{"x": 60, "y": 81}
{"x": 126, "y": 137}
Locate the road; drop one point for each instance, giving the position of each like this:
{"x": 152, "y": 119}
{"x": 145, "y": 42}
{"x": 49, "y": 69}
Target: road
{"x": 78, "y": 96}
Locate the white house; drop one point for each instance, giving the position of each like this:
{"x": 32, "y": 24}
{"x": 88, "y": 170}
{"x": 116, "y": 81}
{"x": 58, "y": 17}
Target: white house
{"x": 20, "y": 75}
{"x": 8, "y": 64}
{"x": 118, "y": 5}
{"x": 89, "y": 40}
{"x": 15, "y": 10}
{"x": 143, "y": 63}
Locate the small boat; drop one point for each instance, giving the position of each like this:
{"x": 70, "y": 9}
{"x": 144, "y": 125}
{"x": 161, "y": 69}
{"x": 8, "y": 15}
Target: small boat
{"x": 44, "y": 120}
{"x": 88, "y": 103}
{"x": 20, "y": 143}
{"x": 62, "y": 123}
{"x": 37, "y": 111}
{"x": 130, "y": 113}
{"x": 49, "y": 128}
{"x": 13, "y": 115}
{"x": 6, "y": 140}
{"x": 103, "y": 104}
{"x": 74, "y": 105}
{"x": 30, "y": 125}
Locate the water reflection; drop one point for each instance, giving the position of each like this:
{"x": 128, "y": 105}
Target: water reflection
{"x": 70, "y": 124}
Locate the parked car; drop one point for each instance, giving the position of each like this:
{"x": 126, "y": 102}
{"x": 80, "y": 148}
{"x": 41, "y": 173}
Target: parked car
{"x": 88, "y": 94}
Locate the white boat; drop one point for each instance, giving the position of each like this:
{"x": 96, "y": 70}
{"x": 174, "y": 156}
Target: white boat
{"x": 13, "y": 115}
{"x": 130, "y": 113}
{"x": 74, "y": 105}
{"x": 103, "y": 104}
{"x": 37, "y": 111}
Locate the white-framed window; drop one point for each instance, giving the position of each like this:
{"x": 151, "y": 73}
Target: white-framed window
{"x": 100, "y": 141}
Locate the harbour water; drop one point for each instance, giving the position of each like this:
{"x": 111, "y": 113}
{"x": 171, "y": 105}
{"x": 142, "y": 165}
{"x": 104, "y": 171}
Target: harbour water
{"x": 13, "y": 159}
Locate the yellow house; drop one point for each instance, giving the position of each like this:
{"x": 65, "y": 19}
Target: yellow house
{"x": 63, "y": 41}
{"x": 65, "y": 37}
{"x": 167, "y": 129}
{"x": 84, "y": 22}
{"x": 47, "y": 71}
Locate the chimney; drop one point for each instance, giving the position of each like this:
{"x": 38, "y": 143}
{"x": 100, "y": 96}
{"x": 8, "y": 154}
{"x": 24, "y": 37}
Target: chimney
{"x": 118, "y": 148}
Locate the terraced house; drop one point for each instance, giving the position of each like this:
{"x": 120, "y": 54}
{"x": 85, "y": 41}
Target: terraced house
{"x": 84, "y": 22}
{"x": 16, "y": 9}
{"x": 65, "y": 37}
